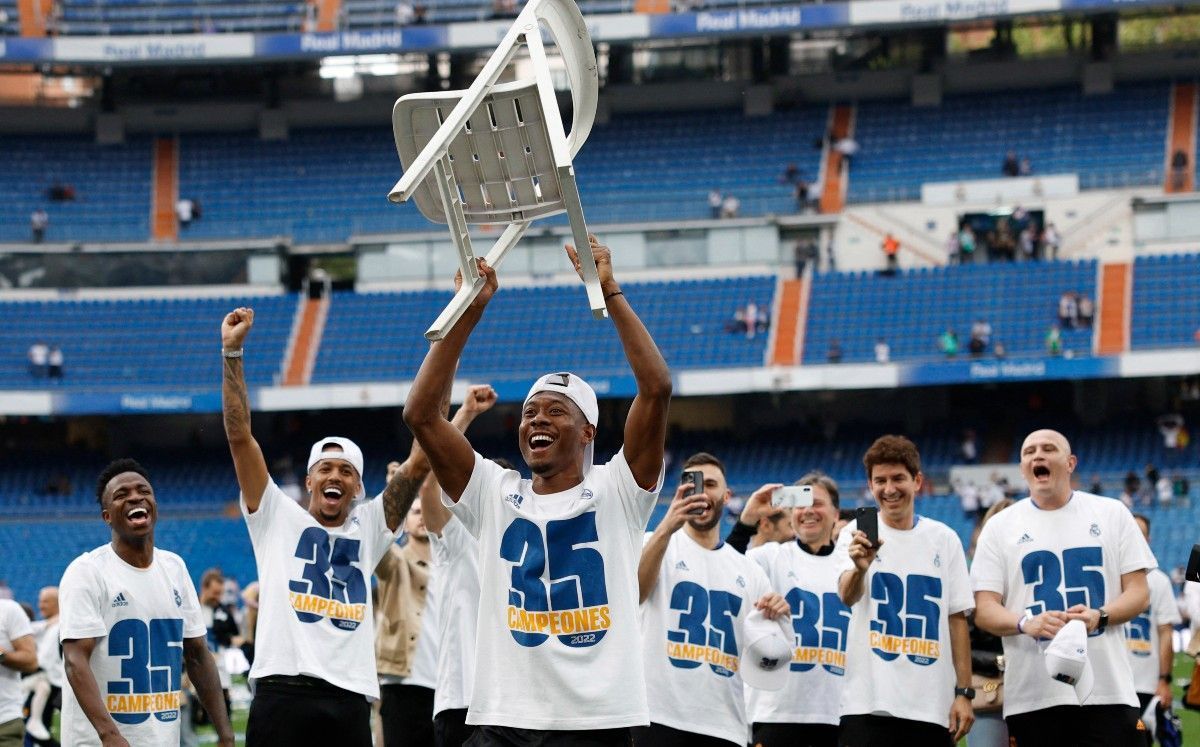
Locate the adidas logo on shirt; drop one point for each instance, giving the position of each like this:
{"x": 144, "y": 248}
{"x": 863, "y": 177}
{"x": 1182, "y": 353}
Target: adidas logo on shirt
{"x": 119, "y": 600}
{"x": 681, "y": 566}
{"x": 1024, "y": 538}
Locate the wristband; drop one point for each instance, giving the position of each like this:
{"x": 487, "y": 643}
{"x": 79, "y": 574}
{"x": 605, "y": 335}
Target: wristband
{"x": 1165, "y": 678}
{"x": 614, "y": 295}
{"x": 1021, "y": 622}
{"x": 232, "y": 353}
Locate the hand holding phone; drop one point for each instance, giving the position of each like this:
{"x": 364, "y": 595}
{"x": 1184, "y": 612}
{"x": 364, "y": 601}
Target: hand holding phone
{"x": 867, "y": 520}
{"x": 792, "y": 496}
{"x": 696, "y": 478}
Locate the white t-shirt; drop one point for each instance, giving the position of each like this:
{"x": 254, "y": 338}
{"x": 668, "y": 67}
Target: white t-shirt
{"x": 13, "y": 625}
{"x": 1050, "y": 560}
{"x": 139, "y": 618}
{"x": 1141, "y": 633}
{"x": 692, "y": 626}
{"x": 49, "y": 654}
{"x": 813, "y": 693}
{"x": 456, "y": 559}
{"x": 899, "y": 660}
{"x": 425, "y": 659}
{"x": 315, "y": 616}
{"x": 558, "y": 622}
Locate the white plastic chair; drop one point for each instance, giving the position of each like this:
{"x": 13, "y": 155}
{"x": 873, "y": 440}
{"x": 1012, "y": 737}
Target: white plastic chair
{"x": 497, "y": 153}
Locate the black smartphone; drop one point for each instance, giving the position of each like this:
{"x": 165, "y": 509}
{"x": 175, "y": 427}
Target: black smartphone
{"x": 1193, "y": 568}
{"x": 867, "y": 519}
{"x": 696, "y": 478}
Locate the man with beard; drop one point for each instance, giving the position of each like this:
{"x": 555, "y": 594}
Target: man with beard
{"x": 559, "y": 644}
{"x": 129, "y": 622}
{"x": 1058, "y": 556}
{"x": 697, "y": 593}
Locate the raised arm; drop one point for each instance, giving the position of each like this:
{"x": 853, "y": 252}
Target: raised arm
{"x": 480, "y": 398}
{"x": 248, "y": 460}
{"x": 77, "y": 654}
{"x": 646, "y": 425}
{"x": 655, "y": 546}
{"x": 202, "y": 670}
{"x": 448, "y": 450}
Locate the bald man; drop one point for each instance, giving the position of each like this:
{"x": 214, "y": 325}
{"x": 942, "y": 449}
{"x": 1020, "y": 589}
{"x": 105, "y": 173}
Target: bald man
{"x": 1056, "y": 556}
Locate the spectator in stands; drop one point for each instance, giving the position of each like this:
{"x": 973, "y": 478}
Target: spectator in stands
{"x": 791, "y": 174}
{"x": 1002, "y": 245}
{"x": 886, "y": 661}
{"x": 1086, "y": 310}
{"x": 1054, "y": 345}
{"x": 310, "y": 684}
{"x": 39, "y": 359}
{"x": 1150, "y": 486}
{"x": 978, "y": 343}
{"x": 750, "y": 314}
{"x": 968, "y": 448}
{"x": 404, "y": 13}
{"x": 847, "y": 147}
{"x": 731, "y": 206}
{"x": 308, "y": 22}
{"x": 883, "y": 351}
{"x": 834, "y": 353}
{"x": 966, "y": 245}
{"x": 804, "y": 712}
{"x": 18, "y": 655}
{"x": 1179, "y": 170}
{"x": 1050, "y": 241}
{"x": 119, "y": 604}
{"x": 948, "y": 343}
{"x": 1096, "y": 487}
{"x": 60, "y": 192}
{"x": 1171, "y": 427}
{"x": 953, "y": 253}
{"x": 54, "y": 364}
{"x": 1038, "y": 707}
{"x": 968, "y": 499}
{"x": 804, "y": 251}
{"x": 714, "y": 203}
{"x": 684, "y": 556}
{"x": 891, "y": 252}
{"x": 1011, "y": 166}
{"x": 1026, "y": 167}
{"x": 802, "y": 192}
{"x": 185, "y": 212}
{"x": 760, "y": 523}
{"x": 1027, "y": 242}
{"x": 1068, "y": 310}
{"x": 39, "y": 220}
{"x": 982, "y": 329}
{"x": 45, "y": 687}
{"x": 999, "y": 351}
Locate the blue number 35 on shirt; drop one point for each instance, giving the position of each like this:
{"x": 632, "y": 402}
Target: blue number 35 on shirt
{"x": 573, "y": 603}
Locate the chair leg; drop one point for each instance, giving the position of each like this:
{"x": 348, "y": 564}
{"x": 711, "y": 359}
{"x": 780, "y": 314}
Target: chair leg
{"x": 469, "y": 290}
{"x": 579, "y": 232}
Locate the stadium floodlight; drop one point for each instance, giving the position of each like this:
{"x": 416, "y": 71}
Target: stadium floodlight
{"x": 497, "y": 153}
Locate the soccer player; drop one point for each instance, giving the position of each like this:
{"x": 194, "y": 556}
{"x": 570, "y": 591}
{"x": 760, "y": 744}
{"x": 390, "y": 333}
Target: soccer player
{"x": 1062, "y": 555}
{"x": 129, "y": 622}
{"x": 314, "y": 662}
{"x": 696, "y": 594}
{"x": 559, "y": 645}
{"x": 805, "y": 712}
{"x": 908, "y": 658}
{"x": 1151, "y": 650}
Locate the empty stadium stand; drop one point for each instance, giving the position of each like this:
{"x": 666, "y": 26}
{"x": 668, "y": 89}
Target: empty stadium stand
{"x": 911, "y": 309}
{"x": 10, "y": 22}
{"x": 525, "y": 329}
{"x": 1112, "y": 140}
{"x": 1165, "y": 312}
{"x": 122, "y": 17}
{"x": 130, "y": 344}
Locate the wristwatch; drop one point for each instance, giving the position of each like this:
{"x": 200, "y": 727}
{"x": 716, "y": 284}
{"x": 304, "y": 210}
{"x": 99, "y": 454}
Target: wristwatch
{"x": 1100, "y": 626}
{"x": 966, "y": 692}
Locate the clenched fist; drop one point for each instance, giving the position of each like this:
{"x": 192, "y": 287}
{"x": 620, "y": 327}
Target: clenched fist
{"x": 235, "y": 327}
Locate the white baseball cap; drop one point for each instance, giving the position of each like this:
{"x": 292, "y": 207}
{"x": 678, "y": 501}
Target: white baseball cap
{"x": 766, "y": 651}
{"x": 1066, "y": 659}
{"x": 325, "y": 449}
{"x": 578, "y": 391}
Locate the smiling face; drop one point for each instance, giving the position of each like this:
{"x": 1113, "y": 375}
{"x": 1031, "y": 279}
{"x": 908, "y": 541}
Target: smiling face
{"x": 332, "y": 484}
{"x": 129, "y": 507}
{"x": 716, "y": 493}
{"x": 814, "y": 524}
{"x": 1046, "y": 465}
{"x": 894, "y": 488}
{"x": 553, "y": 433}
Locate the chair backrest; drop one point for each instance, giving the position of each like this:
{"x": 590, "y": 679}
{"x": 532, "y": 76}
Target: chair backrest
{"x": 503, "y": 159}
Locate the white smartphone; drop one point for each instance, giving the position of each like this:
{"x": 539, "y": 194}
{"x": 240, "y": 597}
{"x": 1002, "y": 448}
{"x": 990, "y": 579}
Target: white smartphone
{"x": 792, "y": 496}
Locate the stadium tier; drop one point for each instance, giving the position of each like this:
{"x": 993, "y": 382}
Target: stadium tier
{"x": 687, "y": 319}
{"x": 140, "y": 343}
{"x": 376, "y": 14}
{"x": 1165, "y": 312}
{"x": 111, "y": 184}
{"x": 121, "y": 17}
{"x": 10, "y": 23}
{"x": 910, "y": 310}
{"x": 1059, "y": 130}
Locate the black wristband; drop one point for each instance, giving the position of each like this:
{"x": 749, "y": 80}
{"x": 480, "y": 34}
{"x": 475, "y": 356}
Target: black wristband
{"x": 614, "y": 295}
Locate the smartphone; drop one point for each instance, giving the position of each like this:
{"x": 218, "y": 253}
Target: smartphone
{"x": 792, "y": 496}
{"x": 696, "y": 478}
{"x": 867, "y": 519}
{"x": 1193, "y": 566}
